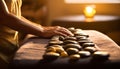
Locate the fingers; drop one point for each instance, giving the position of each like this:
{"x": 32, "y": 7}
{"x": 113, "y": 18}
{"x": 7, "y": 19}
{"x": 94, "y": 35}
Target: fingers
{"x": 64, "y": 31}
{"x": 56, "y": 30}
{"x": 59, "y": 33}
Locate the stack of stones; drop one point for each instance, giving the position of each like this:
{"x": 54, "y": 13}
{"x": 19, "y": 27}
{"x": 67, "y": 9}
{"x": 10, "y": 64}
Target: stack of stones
{"x": 73, "y": 47}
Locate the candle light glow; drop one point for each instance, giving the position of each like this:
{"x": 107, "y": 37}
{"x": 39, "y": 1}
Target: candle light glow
{"x": 89, "y": 11}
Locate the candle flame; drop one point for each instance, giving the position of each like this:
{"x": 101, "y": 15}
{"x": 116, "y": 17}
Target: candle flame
{"x": 89, "y": 11}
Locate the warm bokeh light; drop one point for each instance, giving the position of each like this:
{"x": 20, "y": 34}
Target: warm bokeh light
{"x": 89, "y": 11}
{"x": 91, "y": 1}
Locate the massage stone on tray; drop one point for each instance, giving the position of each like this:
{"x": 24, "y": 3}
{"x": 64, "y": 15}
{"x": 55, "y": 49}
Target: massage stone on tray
{"x": 73, "y": 47}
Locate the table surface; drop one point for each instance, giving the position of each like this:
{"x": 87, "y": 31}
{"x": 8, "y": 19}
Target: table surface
{"x": 81, "y": 18}
{"x": 30, "y": 54}
{"x": 102, "y": 23}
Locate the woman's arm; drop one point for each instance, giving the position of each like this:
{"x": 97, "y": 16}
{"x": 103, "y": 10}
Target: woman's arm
{"x": 16, "y": 23}
{"x": 26, "y": 26}
{"x": 52, "y": 30}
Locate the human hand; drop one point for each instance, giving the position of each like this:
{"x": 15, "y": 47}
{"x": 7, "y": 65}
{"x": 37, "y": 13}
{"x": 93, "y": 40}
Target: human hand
{"x": 55, "y": 30}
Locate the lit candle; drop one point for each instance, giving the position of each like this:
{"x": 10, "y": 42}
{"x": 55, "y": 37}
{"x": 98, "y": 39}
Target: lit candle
{"x": 89, "y": 11}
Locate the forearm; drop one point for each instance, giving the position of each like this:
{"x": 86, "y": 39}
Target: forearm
{"x": 28, "y": 21}
{"x": 22, "y": 25}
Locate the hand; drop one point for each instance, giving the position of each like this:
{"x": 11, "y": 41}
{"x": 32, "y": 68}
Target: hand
{"x": 55, "y": 30}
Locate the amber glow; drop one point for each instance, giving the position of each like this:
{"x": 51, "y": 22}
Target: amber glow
{"x": 92, "y": 1}
{"x": 89, "y": 11}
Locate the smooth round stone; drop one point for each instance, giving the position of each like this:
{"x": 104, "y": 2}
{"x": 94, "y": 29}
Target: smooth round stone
{"x": 74, "y": 57}
{"x": 70, "y": 38}
{"x": 101, "y": 55}
{"x": 78, "y": 30}
{"x": 70, "y": 41}
{"x": 81, "y": 37}
{"x": 55, "y": 42}
{"x": 50, "y": 49}
{"x": 71, "y": 51}
{"x": 61, "y": 38}
{"x": 77, "y": 46}
{"x": 64, "y": 54}
{"x": 55, "y": 37}
{"x": 72, "y": 29}
{"x": 81, "y": 42}
{"x": 90, "y": 49}
{"x": 89, "y": 44}
{"x": 51, "y": 55}
{"x": 84, "y": 54}
{"x": 84, "y": 38}
{"x": 58, "y": 48}
{"x": 80, "y": 34}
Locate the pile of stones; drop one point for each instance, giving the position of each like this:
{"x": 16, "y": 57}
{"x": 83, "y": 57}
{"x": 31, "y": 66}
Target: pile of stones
{"x": 73, "y": 47}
